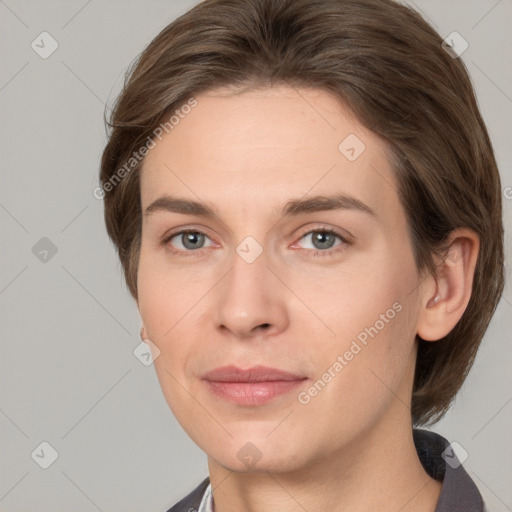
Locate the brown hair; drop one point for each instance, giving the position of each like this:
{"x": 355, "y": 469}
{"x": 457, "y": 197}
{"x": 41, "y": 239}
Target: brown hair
{"x": 387, "y": 64}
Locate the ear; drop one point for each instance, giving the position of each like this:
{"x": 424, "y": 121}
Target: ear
{"x": 143, "y": 333}
{"x": 452, "y": 285}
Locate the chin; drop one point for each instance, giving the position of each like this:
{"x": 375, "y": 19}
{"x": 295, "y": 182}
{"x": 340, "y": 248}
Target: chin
{"x": 274, "y": 466}
{"x": 258, "y": 456}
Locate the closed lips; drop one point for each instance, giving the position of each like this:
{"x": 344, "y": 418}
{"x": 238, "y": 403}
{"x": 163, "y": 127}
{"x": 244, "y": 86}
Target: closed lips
{"x": 254, "y": 374}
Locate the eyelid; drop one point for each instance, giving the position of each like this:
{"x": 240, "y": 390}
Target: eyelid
{"x": 184, "y": 229}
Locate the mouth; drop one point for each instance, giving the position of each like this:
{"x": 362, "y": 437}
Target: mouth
{"x": 253, "y": 386}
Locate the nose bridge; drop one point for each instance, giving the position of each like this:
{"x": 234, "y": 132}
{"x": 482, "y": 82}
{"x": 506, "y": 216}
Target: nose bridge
{"x": 246, "y": 283}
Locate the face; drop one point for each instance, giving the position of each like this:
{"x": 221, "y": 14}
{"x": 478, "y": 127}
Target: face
{"x": 273, "y": 236}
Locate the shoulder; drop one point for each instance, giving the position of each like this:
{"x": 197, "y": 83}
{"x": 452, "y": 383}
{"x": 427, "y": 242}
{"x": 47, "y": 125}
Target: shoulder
{"x": 190, "y": 503}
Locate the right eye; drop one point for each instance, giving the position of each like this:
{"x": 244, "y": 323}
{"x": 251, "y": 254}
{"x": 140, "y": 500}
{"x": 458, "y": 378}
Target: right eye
{"x": 188, "y": 240}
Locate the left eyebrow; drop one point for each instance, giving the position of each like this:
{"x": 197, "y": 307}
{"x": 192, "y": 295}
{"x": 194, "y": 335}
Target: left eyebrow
{"x": 323, "y": 203}
{"x": 293, "y": 207}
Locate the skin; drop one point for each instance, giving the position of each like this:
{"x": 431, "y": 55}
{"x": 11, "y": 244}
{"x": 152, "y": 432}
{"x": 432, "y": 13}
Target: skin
{"x": 350, "y": 448}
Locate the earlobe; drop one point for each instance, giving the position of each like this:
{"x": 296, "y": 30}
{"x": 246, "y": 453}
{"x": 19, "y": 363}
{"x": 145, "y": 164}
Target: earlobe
{"x": 143, "y": 333}
{"x": 441, "y": 311}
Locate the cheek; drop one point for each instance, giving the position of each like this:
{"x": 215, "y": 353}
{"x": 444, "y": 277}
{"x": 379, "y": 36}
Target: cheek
{"x": 350, "y": 299}
{"x": 373, "y": 315}
{"x": 171, "y": 303}
{"x": 163, "y": 304}
{"x": 164, "y": 295}
{"x": 356, "y": 382}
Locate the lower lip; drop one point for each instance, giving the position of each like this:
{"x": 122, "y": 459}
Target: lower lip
{"x": 252, "y": 393}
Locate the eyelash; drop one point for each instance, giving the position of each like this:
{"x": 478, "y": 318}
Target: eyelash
{"x": 314, "y": 253}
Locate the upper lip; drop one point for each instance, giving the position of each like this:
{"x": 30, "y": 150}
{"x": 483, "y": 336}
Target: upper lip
{"x": 254, "y": 374}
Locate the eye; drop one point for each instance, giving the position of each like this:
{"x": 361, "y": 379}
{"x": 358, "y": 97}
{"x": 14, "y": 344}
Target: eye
{"x": 188, "y": 240}
{"x": 323, "y": 241}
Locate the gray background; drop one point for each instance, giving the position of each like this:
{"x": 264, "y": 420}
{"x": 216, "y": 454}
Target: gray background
{"x": 68, "y": 325}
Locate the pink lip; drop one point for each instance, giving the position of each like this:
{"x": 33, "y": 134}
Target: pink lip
{"x": 253, "y": 386}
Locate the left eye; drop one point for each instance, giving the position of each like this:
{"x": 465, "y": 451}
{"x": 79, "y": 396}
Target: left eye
{"x": 322, "y": 239}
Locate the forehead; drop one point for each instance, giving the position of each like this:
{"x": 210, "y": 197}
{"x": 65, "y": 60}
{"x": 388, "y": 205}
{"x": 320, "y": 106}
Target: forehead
{"x": 265, "y": 146}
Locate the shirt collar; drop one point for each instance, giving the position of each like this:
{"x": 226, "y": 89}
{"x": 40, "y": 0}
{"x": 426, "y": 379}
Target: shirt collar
{"x": 206, "y": 504}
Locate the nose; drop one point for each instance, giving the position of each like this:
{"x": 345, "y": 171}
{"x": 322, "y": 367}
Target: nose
{"x": 251, "y": 301}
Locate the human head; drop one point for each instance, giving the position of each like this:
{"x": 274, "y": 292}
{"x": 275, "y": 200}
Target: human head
{"x": 385, "y": 63}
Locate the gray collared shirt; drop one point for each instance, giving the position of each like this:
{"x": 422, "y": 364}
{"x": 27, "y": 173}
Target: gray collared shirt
{"x": 458, "y": 492}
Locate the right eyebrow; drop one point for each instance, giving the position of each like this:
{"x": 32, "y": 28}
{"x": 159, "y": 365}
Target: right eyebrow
{"x": 177, "y": 205}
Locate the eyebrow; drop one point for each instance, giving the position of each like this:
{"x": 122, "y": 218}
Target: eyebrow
{"x": 174, "y": 204}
